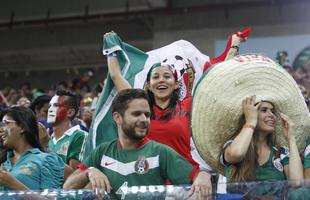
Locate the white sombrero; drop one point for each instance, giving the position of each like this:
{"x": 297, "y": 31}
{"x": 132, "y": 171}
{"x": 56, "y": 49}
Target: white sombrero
{"x": 217, "y": 101}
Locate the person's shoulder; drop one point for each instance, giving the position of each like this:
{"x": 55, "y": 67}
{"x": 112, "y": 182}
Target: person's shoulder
{"x": 76, "y": 133}
{"x": 104, "y": 148}
{"x": 153, "y": 143}
{"x": 188, "y": 99}
{"x": 159, "y": 146}
{"x": 186, "y": 103}
{"x": 107, "y": 145}
{"x": 79, "y": 131}
{"x": 34, "y": 155}
{"x": 39, "y": 156}
{"x": 52, "y": 158}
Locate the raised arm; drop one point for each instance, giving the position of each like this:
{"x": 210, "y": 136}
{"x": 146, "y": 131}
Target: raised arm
{"x": 234, "y": 48}
{"x": 115, "y": 71}
{"x": 236, "y": 151}
{"x": 294, "y": 170}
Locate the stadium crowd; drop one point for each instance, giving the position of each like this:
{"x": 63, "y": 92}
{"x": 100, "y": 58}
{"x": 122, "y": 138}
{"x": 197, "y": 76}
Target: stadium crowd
{"x": 45, "y": 147}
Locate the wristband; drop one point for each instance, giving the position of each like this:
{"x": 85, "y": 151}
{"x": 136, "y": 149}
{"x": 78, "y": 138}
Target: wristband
{"x": 82, "y": 167}
{"x": 88, "y": 170}
{"x": 249, "y": 126}
{"x": 235, "y": 47}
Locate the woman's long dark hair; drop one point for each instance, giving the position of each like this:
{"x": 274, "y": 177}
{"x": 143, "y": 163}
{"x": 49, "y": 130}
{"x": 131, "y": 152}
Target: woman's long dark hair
{"x": 26, "y": 119}
{"x": 173, "y": 100}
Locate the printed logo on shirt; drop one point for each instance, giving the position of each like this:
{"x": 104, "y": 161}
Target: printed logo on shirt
{"x": 141, "y": 165}
{"x": 25, "y": 171}
{"x": 277, "y": 164}
{"x": 108, "y": 163}
{"x": 27, "y": 168}
{"x": 125, "y": 169}
{"x": 64, "y": 148}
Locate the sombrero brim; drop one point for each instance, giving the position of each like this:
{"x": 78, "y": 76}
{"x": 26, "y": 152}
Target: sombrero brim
{"x": 217, "y": 101}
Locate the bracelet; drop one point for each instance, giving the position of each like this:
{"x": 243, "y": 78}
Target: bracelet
{"x": 113, "y": 54}
{"x": 235, "y": 47}
{"x": 87, "y": 171}
{"x": 249, "y": 126}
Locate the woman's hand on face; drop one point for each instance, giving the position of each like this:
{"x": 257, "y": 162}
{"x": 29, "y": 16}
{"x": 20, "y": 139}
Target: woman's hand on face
{"x": 250, "y": 110}
{"x": 288, "y": 127}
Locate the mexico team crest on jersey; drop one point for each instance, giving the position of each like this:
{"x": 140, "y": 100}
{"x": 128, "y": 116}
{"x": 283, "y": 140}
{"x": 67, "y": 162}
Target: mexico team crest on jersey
{"x": 64, "y": 148}
{"x": 277, "y": 164}
{"x": 280, "y": 155}
{"x": 141, "y": 165}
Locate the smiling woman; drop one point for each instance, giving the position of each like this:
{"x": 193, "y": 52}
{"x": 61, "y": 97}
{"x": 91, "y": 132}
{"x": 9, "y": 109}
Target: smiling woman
{"x": 162, "y": 88}
{"x": 27, "y": 167}
{"x": 253, "y": 146}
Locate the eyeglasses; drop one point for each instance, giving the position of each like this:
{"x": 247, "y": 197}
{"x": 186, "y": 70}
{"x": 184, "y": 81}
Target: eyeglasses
{"x": 5, "y": 122}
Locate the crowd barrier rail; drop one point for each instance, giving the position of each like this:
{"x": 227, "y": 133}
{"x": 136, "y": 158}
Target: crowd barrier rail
{"x": 265, "y": 190}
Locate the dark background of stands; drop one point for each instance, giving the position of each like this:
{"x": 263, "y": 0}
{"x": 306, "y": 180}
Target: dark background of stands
{"x": 47, "y": 41}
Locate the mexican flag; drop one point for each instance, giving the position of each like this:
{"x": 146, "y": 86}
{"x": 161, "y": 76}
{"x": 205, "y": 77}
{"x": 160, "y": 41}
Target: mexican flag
{"x": 134, "y": 65}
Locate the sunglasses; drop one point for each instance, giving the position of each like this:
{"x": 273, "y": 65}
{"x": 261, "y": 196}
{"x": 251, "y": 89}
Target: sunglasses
{"x": 6, "y": 122}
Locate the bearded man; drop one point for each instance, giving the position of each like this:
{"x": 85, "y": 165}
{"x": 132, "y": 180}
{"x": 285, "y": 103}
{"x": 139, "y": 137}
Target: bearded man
{"x": 132, "y": 159}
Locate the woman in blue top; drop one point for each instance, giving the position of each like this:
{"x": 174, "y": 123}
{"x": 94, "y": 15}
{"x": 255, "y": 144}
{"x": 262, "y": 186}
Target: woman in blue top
{"x": 27, "y": 167}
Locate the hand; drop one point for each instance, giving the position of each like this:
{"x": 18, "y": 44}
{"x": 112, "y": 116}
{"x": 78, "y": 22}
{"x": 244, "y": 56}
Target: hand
{"x": 288, "y": 127}
{"x": 202, "y": 186}
{"x": 2, "y": 131}
{"x": 99, "y": 181}
{"x": 43, "y": 135}
{"x": 244, "y": 34}
{"x": 250, "y": 110}
{"x": 240, "y": 36}
{"x": 236, "y": 40}
{"x": 6, "y": 178}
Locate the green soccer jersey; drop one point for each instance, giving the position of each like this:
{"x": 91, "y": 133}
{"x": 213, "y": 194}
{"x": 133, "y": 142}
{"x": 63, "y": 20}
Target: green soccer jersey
{"x": 150, "y": 164}
{"x": 69, "y": 145}
{"x": 307, "y": 155}
{"x": 273, "y": 169}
